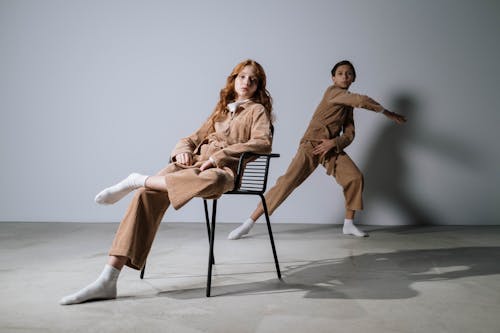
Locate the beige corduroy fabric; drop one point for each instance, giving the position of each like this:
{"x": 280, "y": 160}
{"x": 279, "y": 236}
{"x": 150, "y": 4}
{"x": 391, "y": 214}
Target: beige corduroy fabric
{"x": 333, "y": 119}
{"x": 247, "y": 129}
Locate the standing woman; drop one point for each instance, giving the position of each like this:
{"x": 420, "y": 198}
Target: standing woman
{"x": 331, "y": 130}
{"x": 204, "y": 165}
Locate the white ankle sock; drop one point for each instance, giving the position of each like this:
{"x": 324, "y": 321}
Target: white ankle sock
{"x": 116, "y": 192}
{"x": 350, "y": 229}
{"x": 102, "y": 288}
{"x": 242, "y": 230}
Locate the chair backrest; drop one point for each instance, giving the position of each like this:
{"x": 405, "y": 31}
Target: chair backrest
{"x": 252, "y": 173}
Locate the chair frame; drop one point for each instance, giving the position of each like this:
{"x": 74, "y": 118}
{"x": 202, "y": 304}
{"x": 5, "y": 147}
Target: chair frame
{"x": 240, "y": 188}
{"x": 243, "y": 186}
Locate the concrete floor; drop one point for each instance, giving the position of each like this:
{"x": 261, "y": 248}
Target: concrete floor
{"x": 400, "y": 279}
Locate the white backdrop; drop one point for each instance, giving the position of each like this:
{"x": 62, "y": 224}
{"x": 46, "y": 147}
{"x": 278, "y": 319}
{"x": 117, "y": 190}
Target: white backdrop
{"x": 92, "y": 90}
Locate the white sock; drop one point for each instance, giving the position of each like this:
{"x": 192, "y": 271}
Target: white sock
{"x": 242, "y": 230}
{"x": 116, "y": 192}
{"x": 350, "y": 229}
{"x": 102, "y": 288}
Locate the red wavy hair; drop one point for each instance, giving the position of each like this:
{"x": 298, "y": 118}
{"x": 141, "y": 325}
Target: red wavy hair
{"x": 228, "y": 95}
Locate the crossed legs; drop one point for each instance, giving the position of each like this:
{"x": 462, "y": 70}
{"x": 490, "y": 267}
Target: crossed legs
{"x": 138, "y": 228}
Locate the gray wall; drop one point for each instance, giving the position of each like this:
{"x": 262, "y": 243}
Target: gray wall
{"x": 92, "y": 90}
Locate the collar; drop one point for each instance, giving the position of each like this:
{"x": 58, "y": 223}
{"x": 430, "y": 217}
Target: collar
{"x": 234, "y": 105}
{"x": 339, "y": 88}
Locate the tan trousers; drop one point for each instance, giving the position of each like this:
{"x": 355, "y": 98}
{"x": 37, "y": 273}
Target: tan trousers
{"x": 340, "y": 166}
{"x": 138, "y": 228}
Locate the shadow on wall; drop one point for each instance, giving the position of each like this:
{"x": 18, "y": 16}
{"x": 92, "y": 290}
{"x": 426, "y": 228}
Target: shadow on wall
{"x": 367, "y": 276}
{"x": 387, "y": 173}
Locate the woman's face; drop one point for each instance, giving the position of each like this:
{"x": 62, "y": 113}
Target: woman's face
{"x": 245, "y": 83}
{"x": 343, "y": 77}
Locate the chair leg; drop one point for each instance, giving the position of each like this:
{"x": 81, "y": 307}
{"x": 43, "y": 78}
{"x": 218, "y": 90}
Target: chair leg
{"x": 264, "y": 205}
{"x": 142, "y": 271}
{"x": 211, "y": 254}
{"x": 207, "y": 221}
{"x": 207, "y": 218}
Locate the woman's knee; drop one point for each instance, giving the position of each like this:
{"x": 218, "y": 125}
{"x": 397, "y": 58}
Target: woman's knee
{"x": 145, "y": 195}
{"x": 216, "y": 179}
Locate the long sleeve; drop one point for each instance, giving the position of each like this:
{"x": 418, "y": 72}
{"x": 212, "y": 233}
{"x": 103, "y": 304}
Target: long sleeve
{"x": 190, "y": 143}
{"x": 358, "y": 101}
{"x": 348, "y": 133}
{"x": 260, "y": 140}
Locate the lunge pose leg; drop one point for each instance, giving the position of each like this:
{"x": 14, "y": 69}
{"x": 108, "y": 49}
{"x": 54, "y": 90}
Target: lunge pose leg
{"x": 330, "y": 131}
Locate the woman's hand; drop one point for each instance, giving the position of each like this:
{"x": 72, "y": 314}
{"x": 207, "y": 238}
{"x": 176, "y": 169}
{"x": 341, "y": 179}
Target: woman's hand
{"x": 399, "y": 119}
{"x": 324, "y": 147}
{"x": 206, "y": 165}
{"x": 184, "y": 158}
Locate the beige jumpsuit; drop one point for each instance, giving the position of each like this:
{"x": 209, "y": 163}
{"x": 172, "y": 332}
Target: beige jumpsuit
{"x": 247, "y": 129}
{"x": 333, "y": 116}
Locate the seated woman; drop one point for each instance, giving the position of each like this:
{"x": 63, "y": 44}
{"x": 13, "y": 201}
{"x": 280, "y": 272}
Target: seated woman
{"x": 204, "y": 165}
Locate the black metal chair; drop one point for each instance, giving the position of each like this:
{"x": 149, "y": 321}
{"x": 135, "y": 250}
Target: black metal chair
{"x": 251, "y": 179}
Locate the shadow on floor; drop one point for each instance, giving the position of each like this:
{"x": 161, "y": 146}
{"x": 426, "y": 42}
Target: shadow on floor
{"x": 366, "y": 276}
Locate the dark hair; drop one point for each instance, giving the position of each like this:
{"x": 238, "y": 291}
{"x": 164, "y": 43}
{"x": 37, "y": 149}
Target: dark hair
{"x": 344, "y": 62}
